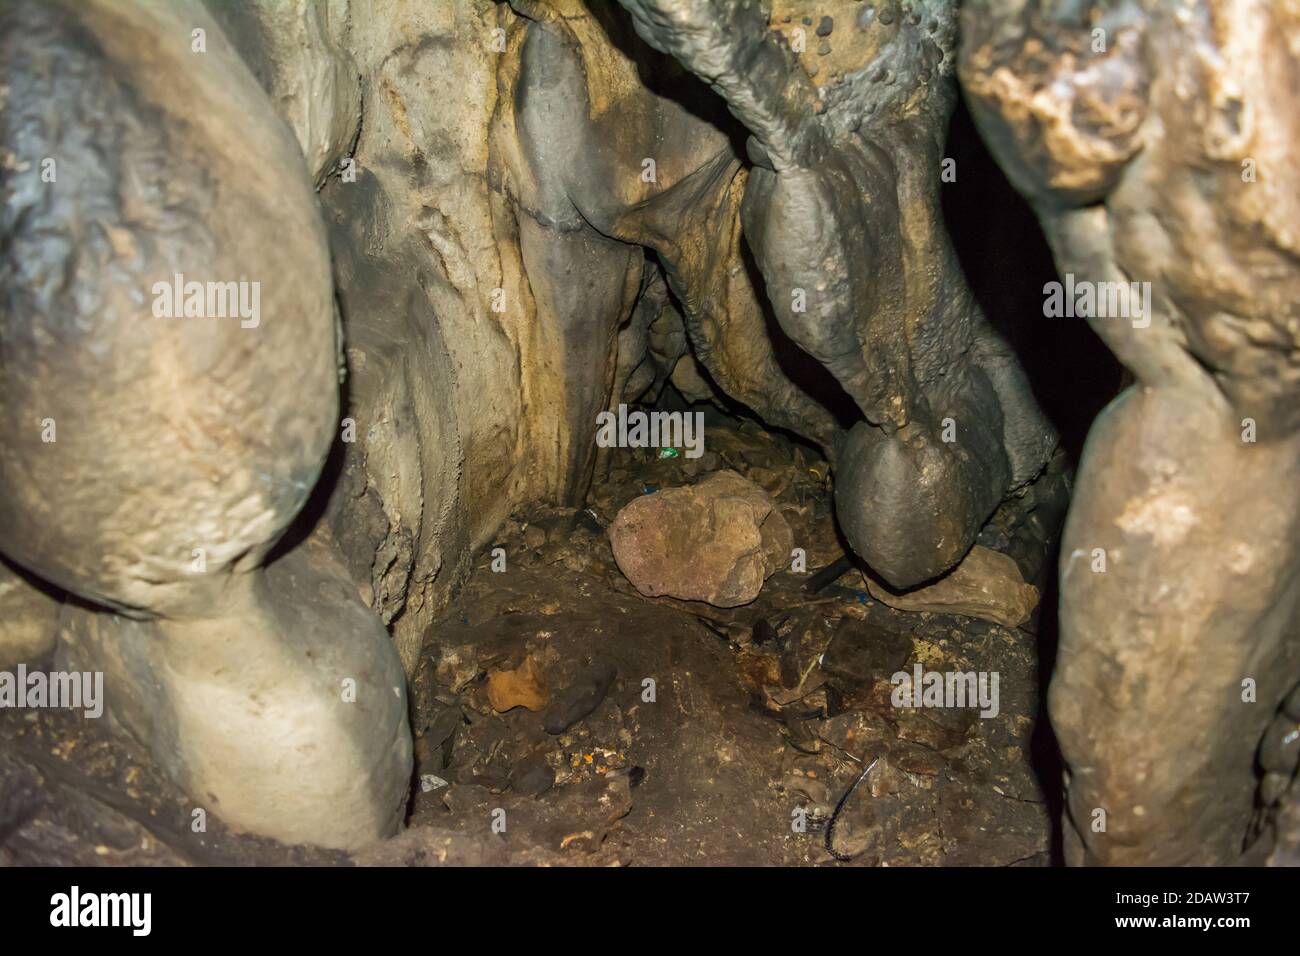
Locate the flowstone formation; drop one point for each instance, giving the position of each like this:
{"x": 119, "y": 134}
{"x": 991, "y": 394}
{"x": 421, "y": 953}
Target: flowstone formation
{"x": 841, "y": 210}
{"x": 1156, "y": 143}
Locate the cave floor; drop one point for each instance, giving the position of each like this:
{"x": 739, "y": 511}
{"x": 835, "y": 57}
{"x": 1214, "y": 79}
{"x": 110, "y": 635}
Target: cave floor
{"x": 727, "y": 737}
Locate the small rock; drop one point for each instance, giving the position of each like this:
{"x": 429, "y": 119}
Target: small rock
{"x": 802, "y": 735}
{"x": 863, "y": 734}
{"x": 491, "y": 779}
{"x": 532, "y": 776}
{"x": 521, "y": 687}
{"x": 863, "y": 651}
{"x": 994, "y": 538}
{"x": 986, "y": 585}
{"x": 579, "y": 700}
{"x": 758, "y": 670}
{"x": 588, "y": 519}
{"x": 444, "y": 725}
{"x": 772, "y": 480}
{"x": 436, "y": 744}
{"x": 937, "y": 735}
{"x": 430, "y": 782}
{"x": 914, "y": 758}
{"x": 825, "y": 27}
{"x": 716, "y": 541}
{"x": 710, "y": 461}
{"x": 534, "y": 537}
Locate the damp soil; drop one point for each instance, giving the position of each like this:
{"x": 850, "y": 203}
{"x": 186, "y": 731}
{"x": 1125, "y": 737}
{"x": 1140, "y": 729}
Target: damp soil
{"x": 647, "y": 731}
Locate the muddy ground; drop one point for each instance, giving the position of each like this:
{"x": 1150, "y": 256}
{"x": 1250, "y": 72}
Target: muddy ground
{"x": 666, "y": 732}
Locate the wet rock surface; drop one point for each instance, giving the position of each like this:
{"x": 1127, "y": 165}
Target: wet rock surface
{"x": 661, "y": 731}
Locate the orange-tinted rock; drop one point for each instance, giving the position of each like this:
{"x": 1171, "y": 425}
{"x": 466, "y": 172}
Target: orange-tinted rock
{"x": 716, "y": 541}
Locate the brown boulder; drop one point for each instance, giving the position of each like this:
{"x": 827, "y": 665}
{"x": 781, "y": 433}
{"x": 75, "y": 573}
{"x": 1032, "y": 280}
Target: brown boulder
{"x": 716, "y": 541}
